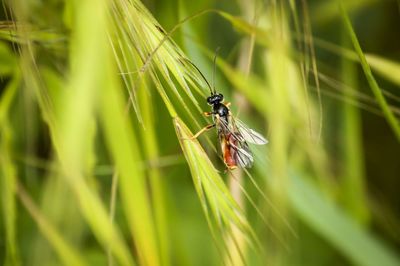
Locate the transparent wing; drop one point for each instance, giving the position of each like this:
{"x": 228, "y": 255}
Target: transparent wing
{"x": 249, "y": 134}
{"x": 239, "y": 149}
{"x": 242, "y": 154}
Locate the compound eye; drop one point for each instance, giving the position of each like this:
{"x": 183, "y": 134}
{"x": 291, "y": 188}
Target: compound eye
{"x": 221, "y": 97}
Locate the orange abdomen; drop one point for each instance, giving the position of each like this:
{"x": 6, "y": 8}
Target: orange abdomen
{"x": 228, "y": 153}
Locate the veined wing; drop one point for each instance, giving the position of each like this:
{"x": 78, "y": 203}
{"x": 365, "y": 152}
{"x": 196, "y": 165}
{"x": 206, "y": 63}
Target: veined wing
{"x": 236, "y": 144}
{"x": 249, "y": 134}
{"x": 242, "y": 154}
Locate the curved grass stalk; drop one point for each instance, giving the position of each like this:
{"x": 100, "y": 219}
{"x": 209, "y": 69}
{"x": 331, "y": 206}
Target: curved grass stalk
{"x": 215, "y": 198}
{"x": 391, "y": 119}
{"x": 139, "y": 25}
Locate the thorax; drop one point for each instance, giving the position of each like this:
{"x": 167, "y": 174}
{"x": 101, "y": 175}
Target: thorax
{"x": 221, "y": 110}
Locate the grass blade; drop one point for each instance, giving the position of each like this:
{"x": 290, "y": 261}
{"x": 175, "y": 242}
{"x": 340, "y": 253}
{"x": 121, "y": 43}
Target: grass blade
{"x": 353, "y": 176}
{"x": 157, "y": 183}
{"x": 8, "y": 183}
{"x": 216, "y": 200}
{"x": 67, "y": 254}
{"x": 387, "y": 68}
{"x": 391, "y": 119}
{"x": 337, "y": 228}
{"x": 123, "y": 145}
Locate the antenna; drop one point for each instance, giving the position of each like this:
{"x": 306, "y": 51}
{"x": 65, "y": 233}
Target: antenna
{"x": 215, "y": 66}
{"x": 201, "y": 74}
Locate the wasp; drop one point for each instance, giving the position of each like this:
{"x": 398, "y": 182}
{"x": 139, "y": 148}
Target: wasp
{"x": 233, "y": 134}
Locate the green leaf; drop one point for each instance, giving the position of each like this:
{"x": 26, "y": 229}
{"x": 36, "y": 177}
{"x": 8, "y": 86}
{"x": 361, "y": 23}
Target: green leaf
{"x": 322, "y": 216}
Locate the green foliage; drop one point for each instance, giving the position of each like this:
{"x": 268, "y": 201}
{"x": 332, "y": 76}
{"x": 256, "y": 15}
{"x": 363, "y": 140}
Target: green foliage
{"x": 99, "y": 101}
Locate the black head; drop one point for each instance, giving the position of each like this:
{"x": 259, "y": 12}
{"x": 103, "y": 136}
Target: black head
{"x": 215, "y": 99}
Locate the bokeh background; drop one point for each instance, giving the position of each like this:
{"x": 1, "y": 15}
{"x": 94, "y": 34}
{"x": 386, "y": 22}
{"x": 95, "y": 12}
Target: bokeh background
{"x": 98, "y": 100}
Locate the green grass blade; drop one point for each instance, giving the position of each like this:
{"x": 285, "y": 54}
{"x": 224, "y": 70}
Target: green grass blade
{"x": 391, "y": 119}
{"x": 8, "y": 97}
{"x": 157, "y": 183}
{"x": 8, "y": 172}
{"x": 326, "y": 11}
{"x": 353, "y": 176}
{"x": 8, "y": 186}
{"x": 67, "y": 254}
{"x": 8, "y": 61}
{"x": 262, "y": 35}
{"x": 91, "y": 67}
{"x": 336, "y": 227}
{"x": 123, "y": 145}
{"x": 387, "y": 68}
{"x": 216, "y": 200}
{"x": 11, "y": 31}
{"x": 88, "y": 68}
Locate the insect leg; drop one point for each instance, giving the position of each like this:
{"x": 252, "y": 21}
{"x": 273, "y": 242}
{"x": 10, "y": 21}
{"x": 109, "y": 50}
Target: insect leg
{"x": 201, "y": 131}
{"x": 207, "y": 113}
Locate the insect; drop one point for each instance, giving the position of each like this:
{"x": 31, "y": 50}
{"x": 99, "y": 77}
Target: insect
{"x": 233, "y": 134}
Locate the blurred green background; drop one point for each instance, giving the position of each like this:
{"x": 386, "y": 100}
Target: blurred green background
{"x": 98, "y": 100}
